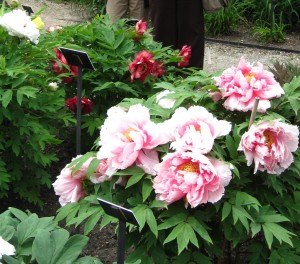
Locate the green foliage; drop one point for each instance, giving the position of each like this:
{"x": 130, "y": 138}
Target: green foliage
{"x": 224, "y": 21}
{"x": 40, "y": 240}
{"x": 29, "y": 117}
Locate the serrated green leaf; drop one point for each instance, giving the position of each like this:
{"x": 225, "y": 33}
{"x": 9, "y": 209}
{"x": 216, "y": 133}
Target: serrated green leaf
{"x": 146, "y": 189}
{"x": 231, "y": 147}
{"x": 165, "y": 85}
{"x": 29, "y": 91}
{"x": 279, "y": 232}
{"x": 268, "y": 236}
{"x": 151, "y": 221}
{"x": 200, "y": 229}
{"x": 6, "y": 98}
{"x": 19, "y": 97}
{"x": 255, "y": 228}
{"x": 134, "y": 179}
{"x": 92, "y": 167}
{"x": 172, "y": 221}
{"x": 174, "y": 233}
{"x": 226, "y": 210}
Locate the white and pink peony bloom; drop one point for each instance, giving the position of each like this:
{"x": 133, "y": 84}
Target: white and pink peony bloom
{"x": 99, "y": 176}
{"x": 191, "y": 176}
{"x": 19, "y": 24}
{"x": 194, "y": 129}
{"x": 270, "y": 144}
{"x": 163, "y": 101}
{"x": 69, "y": 187}
{"x": 6, "y": 248}
{"x": 125, "y": 135}
{"x": 242, "y": 85}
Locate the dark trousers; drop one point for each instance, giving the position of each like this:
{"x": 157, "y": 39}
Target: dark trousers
{"x": 177, "y": 23}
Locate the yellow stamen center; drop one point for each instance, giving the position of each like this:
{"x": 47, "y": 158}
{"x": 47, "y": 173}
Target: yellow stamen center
{"x": 249, "y": 76}
{"x": 269, "y": 138}
{"x": 127, "y": 134}
{"x": 188, "y": 167}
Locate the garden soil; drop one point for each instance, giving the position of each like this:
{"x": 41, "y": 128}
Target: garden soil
{"x": 218, "y": 56}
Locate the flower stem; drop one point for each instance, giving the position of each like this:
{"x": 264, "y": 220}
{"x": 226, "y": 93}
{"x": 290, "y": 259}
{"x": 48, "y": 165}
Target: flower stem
{"x": 253, "y": 114}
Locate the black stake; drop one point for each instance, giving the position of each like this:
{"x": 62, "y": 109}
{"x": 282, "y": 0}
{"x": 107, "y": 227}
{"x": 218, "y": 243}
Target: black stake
{"x": 121, "y": 242}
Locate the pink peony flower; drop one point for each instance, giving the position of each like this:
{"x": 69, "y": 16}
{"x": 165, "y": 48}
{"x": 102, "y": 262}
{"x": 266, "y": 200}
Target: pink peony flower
{"x": 142, "y": 66}
{"x": 60, "y": 70}
{"x": 69, "y": 187}
{"x": 270, "y": 144}
{"x": 191, "y": 176}
{"x": 86, "y": 105}
{"x": 194, "y": 129}
{"x": 147, "y": 160}
{"x": 241, "y": 86}
{"x": 100, "y": 174}
{"x": 185, "y": 53}
{"x": 125, "y": 135}
{"x": 163, "y": 102}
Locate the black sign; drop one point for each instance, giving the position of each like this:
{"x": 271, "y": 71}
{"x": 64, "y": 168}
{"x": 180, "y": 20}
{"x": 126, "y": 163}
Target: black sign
{"x": 123, "y": 214}
{"x": 77, "y": 58}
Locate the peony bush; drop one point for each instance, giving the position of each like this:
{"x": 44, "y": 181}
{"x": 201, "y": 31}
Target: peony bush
{"x": 209, "y": 164}
{"x": 211, "y": 173}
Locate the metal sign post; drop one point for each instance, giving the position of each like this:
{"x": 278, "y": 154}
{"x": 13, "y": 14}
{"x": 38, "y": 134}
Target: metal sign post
{"x": 81, "y": 60}
{"x": 124, "y": 215}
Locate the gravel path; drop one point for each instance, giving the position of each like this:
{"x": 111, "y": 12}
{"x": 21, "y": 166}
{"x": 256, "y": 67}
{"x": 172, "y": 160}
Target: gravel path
{"x": 217, "y": 56}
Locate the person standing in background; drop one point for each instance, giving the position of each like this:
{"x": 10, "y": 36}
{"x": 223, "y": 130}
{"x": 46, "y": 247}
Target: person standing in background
{"x": 177, "y": 23}
{"x": 135, "y": 9}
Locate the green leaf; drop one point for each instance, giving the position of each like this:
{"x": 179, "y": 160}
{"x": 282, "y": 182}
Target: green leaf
{"x": 174, "y": 233}
{"x": 255, "y": 228}
{"x": 146, "y": 189}
{"x": 226, "y": 210}
{"x": 92, "y": 167}
{"x": 134, "y": 179}
{"x": 172, "y": 221}
{"x": 282, "y": 234}
{"x": 239, "y": 213}
{"x": 92, "y": 221}
{"x": 6, "y": 98}
{"x": 268, "y": 236}
{"x": 19, "y": 97}
{"x": 165, "y": 85}
{"x": 231, "y": 147}
{"x": 200, "y": 229}
{"x": 18, "y": 213}
{"x": 43, "y": 247}
{"x": 29, "y": 91}
{"x": 188, "y": 235}
{"x": 72, "y": 249}
{"x": 151, "y": 221}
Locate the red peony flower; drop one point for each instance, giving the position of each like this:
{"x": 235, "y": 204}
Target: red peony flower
{"x": 60, "y": 70}
{"x": 140, "y": 29}
{"x": 142, "y": 66}
{"x": 157, "y": 69}
{"x": 86, "y": 105}
{"x": 185, "y": 53}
